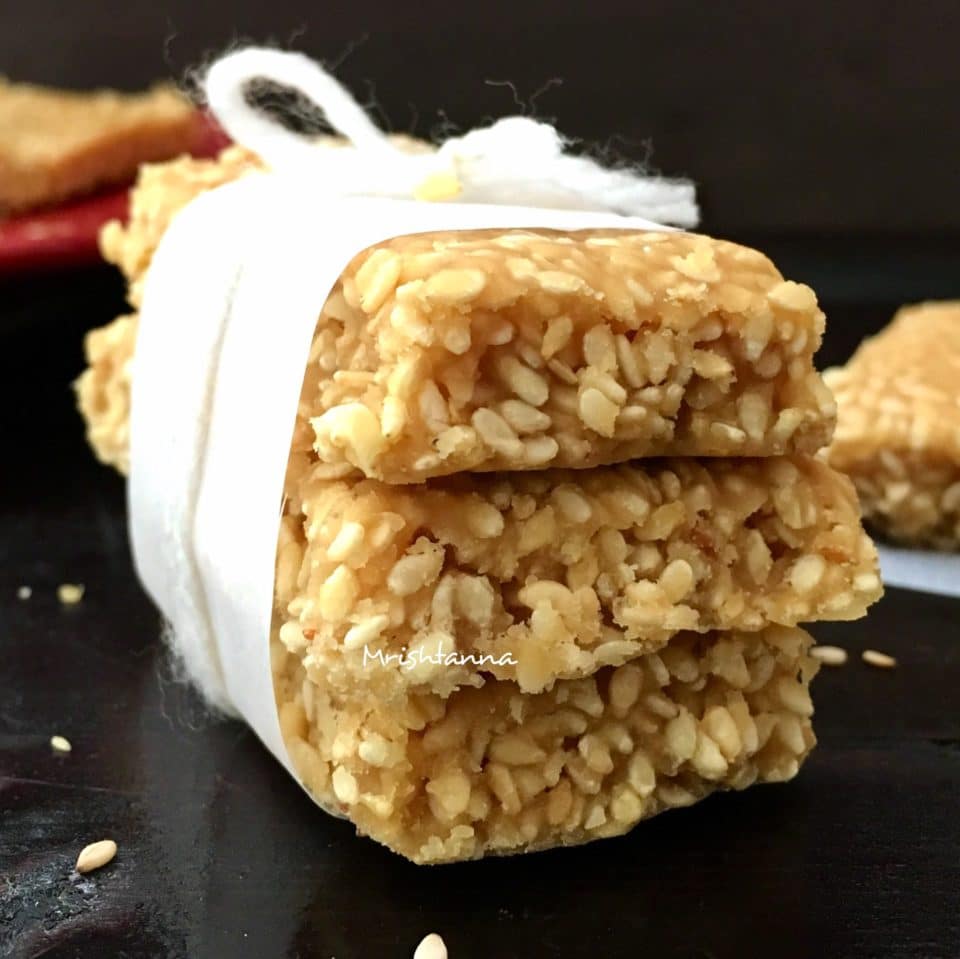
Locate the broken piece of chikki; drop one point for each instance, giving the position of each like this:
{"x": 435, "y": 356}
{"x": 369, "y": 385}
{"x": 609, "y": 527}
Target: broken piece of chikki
{"x": 526, "y": 349}
{"x": 898, "y": 434}
{"x": 493, "y": 771}
{"x": 539, "y": 576}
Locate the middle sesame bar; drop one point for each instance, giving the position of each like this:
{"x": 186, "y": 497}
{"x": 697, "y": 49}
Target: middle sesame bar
{"x": 556, "y": 574}
{"x": 523, "y": 349}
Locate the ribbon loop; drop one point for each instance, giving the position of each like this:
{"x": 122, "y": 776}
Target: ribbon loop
{"x": 516, "y": 160}
{"x": 226, "y": 85}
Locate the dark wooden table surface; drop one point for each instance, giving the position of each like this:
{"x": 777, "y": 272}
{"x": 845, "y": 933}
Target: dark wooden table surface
{"x": 221, "y": 855}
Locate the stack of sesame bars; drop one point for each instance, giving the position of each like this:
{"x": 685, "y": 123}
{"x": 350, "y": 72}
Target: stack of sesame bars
{"x": 552, "y": 516}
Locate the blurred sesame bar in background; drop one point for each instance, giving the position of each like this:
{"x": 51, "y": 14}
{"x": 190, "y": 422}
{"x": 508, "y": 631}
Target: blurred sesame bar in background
{"x": 57, "y": 144}
{"x": 67, "y": 160}
{"x": 898, "y": 432}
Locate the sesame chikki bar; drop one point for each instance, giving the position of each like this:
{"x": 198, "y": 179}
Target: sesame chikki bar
{"x": 517, "y": 349}
{"x": 898, "y": 434}
{"x": 531, "y": 577}
{"x": 647, "y": 611}
{"x": 493, "y": 771}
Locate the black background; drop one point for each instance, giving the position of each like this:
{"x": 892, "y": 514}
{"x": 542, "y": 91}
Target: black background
{"x": 794, "y": 117}
{"x": 827, "y": 134}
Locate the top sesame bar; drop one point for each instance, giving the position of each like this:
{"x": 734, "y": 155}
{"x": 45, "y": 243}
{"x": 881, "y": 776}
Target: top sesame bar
{"x": 898, "y": 432}
{"x": 521, "y": 349}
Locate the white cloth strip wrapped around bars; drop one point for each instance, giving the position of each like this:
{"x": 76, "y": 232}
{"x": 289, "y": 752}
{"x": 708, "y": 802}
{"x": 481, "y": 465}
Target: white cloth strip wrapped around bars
{"x": 377, "y": 418}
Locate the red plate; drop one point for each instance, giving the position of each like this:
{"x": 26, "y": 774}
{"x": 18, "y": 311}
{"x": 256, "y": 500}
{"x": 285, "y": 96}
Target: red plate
{"x": 67, "y": 235}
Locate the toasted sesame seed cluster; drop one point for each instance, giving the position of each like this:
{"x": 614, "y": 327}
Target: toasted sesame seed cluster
{"x": 898, "y": 435}
{"x": 492, "y": 632}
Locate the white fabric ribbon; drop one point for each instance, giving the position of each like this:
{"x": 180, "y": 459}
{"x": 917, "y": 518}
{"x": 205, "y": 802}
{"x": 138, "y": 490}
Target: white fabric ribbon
{"x": 517, "y": 160}
{"x": 230, "y": 305}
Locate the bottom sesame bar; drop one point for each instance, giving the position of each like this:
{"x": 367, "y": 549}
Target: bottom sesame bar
{"x": 553, "y": 575}
{"x": 898, "y": 434}
{"x": 491, "y": 771}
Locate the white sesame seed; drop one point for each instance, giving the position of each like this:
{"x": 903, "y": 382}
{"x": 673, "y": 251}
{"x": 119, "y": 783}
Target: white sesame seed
{"x": 60, "y": 743}
{"x": 881, "y": 660}
{"x": 24, "y": 592}
{"x": 70, "y": 593}
{"x": 432, "y": 947}
{"x": 829, "y": 655}
{"x": 365, "y": 631}
{"x": 95, "y": 855}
